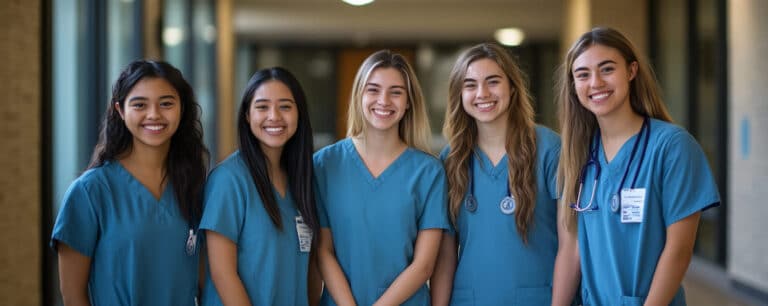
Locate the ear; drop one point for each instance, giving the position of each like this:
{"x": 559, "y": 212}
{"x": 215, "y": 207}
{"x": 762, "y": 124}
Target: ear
{"x": 119, "y": 110}
{"x": 632, "y": 70}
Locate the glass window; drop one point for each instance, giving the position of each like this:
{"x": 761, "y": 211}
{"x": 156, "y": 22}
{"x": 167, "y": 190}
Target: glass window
{"x": 688, "y": 63}
{"x": 189, "y": 43}
{"x": 92, "y": 41}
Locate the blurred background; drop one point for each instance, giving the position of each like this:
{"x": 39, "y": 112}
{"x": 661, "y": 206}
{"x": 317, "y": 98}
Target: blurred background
{"x": 61, "y": 57}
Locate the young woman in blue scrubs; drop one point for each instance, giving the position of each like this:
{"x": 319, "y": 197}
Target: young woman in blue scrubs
{"x": 501, "y": 170}
{"x": 259, "y": 216}
{"x": 127, "y": 230}
{"x": 381, "y": 197}
{"x": 634, "y": 182}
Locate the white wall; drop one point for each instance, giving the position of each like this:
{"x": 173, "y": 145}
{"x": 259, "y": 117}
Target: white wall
{"x": 748, "y": 144}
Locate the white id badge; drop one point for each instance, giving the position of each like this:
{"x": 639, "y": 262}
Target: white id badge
{"x": 305, "y": 235}
{"x": 632, "y": 205}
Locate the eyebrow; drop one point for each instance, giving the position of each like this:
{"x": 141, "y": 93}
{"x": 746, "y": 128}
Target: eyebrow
{"x": 265, "y": 100}
{"x": 141, "y": 98}
{"x": 377, "y": 85}
{"x": 495, "y": 76}
{"x": 605, "y": 62}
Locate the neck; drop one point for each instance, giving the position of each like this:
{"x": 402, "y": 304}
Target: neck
{"x": 492, "y": 139}
{"x": 274, "y": 168}
{"x": 273, "y": 156}
{"x": 379, "y": 143}
{"x": 619, "y": 128}
{"x": 146, "y": 158}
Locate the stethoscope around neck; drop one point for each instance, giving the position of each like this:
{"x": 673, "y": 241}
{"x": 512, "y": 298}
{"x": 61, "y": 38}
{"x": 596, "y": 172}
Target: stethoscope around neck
{"x": 593, "y": 161}
{"x": 506, "y": 205}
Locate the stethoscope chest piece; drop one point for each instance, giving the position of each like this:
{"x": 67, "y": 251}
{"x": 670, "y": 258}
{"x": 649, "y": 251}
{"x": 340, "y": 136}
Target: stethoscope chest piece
{"x": 191, "y": 243}
{"x": 470, "y": 203}
{"x": 507, "y": 205}
{"x": 615, "y": 203}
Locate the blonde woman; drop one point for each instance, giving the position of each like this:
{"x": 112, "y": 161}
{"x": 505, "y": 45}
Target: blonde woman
{"x": 634, "y": 183}
{"x": 381, "y": 196}
{"x": 501, "y": 176}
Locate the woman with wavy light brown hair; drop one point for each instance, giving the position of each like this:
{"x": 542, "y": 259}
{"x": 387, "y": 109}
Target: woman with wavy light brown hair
{"x": 501, "y": 176}
{"x": 634, "y": 185}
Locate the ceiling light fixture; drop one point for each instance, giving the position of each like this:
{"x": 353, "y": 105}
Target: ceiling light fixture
{"x": 358, "y": 2}
{"x": 509, "y": 36}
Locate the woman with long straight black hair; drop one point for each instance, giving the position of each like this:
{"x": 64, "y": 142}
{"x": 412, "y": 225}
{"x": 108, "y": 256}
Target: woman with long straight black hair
{"x": 259, "y": 204}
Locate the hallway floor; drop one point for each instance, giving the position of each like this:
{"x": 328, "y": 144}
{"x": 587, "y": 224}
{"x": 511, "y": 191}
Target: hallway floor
{"x": 706, "y": 285}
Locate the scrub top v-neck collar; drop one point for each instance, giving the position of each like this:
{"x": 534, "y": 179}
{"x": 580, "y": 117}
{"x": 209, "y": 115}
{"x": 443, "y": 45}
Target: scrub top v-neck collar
{"x": 360, "y": 164}
{"x": 617, "y": 165}
{"x": 142, "y": 191}
{"x": 487, "y": 166}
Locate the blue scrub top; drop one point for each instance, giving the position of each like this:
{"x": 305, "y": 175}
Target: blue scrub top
{"x": 270, "y": 264}
{"x": 375, "y": 221}
{"x": 618, "y": 260}
{"x": 136, "y": 243}
{"x": 494, "y": 266}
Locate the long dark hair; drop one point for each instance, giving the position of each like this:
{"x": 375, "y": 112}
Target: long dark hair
{"x": 296, "y": 158}
{"x": 187, "y": 160}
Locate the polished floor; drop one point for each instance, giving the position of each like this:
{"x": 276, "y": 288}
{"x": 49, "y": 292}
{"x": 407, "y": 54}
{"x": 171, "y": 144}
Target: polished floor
{"x": 708, "y": 286}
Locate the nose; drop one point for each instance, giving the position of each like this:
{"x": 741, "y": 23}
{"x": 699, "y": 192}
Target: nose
{"x": 273, "y": 114}
{"x": 596, "y": 81}
{"x": 483, "y": 91}
{"x": 153, "y": 112}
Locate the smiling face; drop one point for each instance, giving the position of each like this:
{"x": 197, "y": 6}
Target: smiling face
{"x": 485, "y": 93}
{"x": 602, "y": 79}
{"x": 151, "y": 112}
{"x": 273, "y": 116}
{"x": 385, "y": 99}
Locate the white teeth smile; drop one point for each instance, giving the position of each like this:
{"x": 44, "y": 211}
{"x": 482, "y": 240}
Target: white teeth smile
{"x": 154, "y": 127}
{"x": 274, "y": 129}
{"x": 600, "y": 96}
{"x": 383, "y": 112}
{"x": 486, "y": 105}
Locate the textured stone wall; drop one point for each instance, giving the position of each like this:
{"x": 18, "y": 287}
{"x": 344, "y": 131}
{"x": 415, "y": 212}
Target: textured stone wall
{"x": 20, "y": 101}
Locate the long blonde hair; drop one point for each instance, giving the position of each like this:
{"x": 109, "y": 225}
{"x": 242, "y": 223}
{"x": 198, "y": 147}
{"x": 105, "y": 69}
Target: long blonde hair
{"x": 577, "y": 124}
{"x": 413, "y": 128}
{"x": 460, "y": 130}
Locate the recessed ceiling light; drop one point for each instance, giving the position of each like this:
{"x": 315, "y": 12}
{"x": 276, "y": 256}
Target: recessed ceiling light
{"x": 509, "y": 36}
{"x": 358, "y": 2}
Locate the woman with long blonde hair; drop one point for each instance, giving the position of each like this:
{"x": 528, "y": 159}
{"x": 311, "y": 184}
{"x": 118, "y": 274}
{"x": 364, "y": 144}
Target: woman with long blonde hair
{"x": 634, "y": 184}
{"x": 501, "y": 176}
{"x": 381, "y": 196}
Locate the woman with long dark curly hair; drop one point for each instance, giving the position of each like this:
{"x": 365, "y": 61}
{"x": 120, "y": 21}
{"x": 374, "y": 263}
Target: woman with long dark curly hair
{"x": 127, "y": 230}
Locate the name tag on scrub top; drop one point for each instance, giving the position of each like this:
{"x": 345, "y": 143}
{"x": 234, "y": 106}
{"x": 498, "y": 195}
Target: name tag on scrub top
{"x": 305, "y": 235}
{"x": 632, "y": 205}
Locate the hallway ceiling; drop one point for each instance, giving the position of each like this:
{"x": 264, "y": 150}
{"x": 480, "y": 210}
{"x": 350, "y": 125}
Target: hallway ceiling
{"x": 394, "y": 21}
